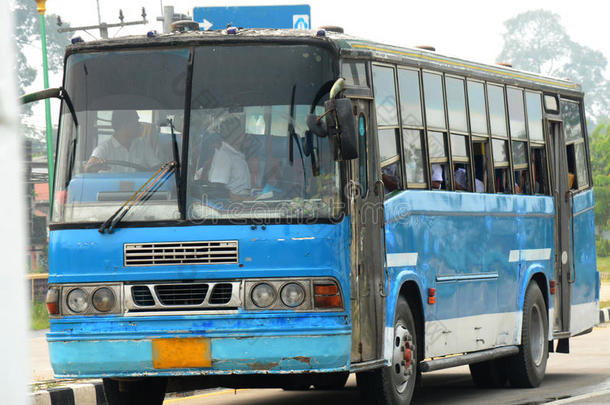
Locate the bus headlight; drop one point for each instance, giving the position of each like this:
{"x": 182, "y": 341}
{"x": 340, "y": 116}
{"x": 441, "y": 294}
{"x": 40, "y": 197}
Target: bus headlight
{"x": 78, "y": 300}
{"x": 263, "y": 295}
{"x": 103, "y": 299}
{"x": 292, "y": 295}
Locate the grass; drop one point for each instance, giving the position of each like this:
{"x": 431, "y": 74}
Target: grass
{"x": 603, "y": 264}
{"x": 40, "y": 316}
{"x": 604, "y": 304}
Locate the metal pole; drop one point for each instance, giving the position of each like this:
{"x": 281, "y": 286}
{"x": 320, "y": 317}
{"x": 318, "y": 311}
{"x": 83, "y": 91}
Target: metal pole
{"x": 47, "y": 104}
{"x": 99, "y": 16}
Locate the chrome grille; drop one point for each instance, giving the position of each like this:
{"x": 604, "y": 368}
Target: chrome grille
{"x": 141, "y": 295}
{"x": 221, "y": 294}
{"x": 181, "y": 253}
{"x": 177, "y": 296}
{"x": 182, "y": 294}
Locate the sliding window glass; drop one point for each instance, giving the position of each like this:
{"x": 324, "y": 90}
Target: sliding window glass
{"x": 496, "y": 107}
{"x": 458, "y": 125}
{"x": 571, "y": 115}
{"x": 412, "y": 127}
{"x": 538, "y": 155}
{"x": 387, "y": 126}
{"x": 437, "y": 131}
{"x": 481, "y": 156}
{"x": 518, "y": 134}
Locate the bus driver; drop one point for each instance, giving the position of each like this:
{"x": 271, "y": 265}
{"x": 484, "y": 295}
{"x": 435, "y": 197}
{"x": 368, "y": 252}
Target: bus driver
{"x": 128, "y": 150}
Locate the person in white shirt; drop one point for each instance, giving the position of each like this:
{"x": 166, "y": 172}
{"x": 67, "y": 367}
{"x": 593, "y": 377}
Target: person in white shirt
{"x": 461, "y": 181}
{"x": 229, "y": 165}
{"x": 128, "y": 150}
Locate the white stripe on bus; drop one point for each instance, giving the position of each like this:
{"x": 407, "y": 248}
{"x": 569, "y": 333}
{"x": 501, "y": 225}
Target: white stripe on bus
{"x": 401, "y": 259}
{"x": 529, "y": 255}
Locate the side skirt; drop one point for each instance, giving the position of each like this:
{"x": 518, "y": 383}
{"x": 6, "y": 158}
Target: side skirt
{"x": 475, "y": 357}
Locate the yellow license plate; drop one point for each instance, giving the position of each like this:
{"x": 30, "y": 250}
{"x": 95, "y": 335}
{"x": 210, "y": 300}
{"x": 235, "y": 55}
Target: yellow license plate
{"x": 181, "y": 353}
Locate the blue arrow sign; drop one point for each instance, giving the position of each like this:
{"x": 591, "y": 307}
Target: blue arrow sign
{"x": 215, "y": 18}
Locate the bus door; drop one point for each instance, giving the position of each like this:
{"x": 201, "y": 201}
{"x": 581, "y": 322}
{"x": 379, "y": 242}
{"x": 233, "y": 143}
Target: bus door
{"x": 563, "y": 220}
{"x": 365, "y": 194}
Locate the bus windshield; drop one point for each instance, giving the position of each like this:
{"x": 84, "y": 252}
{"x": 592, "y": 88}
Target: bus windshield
{"x": 246, "y": 157}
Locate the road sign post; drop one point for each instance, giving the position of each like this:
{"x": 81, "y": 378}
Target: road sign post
{"x": 280, "y": 17}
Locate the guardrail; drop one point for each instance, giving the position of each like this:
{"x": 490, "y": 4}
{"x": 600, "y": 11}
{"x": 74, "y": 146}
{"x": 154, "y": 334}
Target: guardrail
{"x": 37, "y": 283}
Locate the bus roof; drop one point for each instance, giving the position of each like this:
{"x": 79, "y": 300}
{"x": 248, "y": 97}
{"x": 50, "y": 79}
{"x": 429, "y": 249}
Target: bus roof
{"x": 347, "y": 46}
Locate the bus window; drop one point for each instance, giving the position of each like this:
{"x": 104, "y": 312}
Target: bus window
{"x": 433, "y": 98}
{"x": 439, "y": 176}
{"x": 541, "y": 181}
{"x": 534, "y": 116}
{"x": 501, "y": 166}
{"x": 575, "y": 144}
{"x": 387, "y": 143}
{"x": 461, "y": 167}
{"x": 521, "y": 167}
{"x": 355, "y": 74}
{"x": 385, "y": 95}
{"x": 410, "y": 103}
{"x": 479, "y": 149}
{"x": 476, "y": 105}
{"x": 456, "y": 104}
{"x": 516, "y": 113}
{"x": 414, "y": 157}
{"x": 497, "y": 114}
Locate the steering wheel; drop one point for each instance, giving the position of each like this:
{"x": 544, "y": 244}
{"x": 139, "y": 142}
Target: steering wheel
{"x": 123, "y": 163}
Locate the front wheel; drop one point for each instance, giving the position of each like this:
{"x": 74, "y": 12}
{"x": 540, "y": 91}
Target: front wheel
{"x": 526, "y": 369}
{"x": 394, "y": 385}
{"x": 141, "y": 391}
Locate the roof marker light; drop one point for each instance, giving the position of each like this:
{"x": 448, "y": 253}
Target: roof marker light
{"x": 321, "y": 33}
{"x": 76, "y": 40}
{"x": 151, "y": 34}
{"x": 232, "y": 30}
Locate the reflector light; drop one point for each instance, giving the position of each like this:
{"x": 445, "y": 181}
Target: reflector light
{"x": 327, "y": 296}
{"x": 431, "y": 296}
{"x": 52, "y": 301}
{"x": 553, "y": 286}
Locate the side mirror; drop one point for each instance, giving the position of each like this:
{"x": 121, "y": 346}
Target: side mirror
{"x": 341, "y": 126}
{"x": 57, "y": 92}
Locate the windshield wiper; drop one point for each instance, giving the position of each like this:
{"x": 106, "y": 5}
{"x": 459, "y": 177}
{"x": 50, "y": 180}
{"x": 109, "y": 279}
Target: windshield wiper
{"x": 294, "y": 137}
{"x": 141, "y": 195}
{"x": 176, "y": 156}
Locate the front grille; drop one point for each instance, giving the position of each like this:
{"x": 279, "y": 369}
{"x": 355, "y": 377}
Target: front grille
{"x": 142, "y": 296}
{"x": 181, "y": 253}
{"x": 221, "y": 294}
{"x": 182, "y": 294}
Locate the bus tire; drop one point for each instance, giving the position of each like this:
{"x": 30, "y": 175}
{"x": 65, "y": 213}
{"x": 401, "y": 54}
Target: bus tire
{"x": 526, "y": 369}
{"x": 489, "y": 374}
{"x": 332, "y": 381}
{"x": 142, "y": 391}
{"x": 394, "y": 385}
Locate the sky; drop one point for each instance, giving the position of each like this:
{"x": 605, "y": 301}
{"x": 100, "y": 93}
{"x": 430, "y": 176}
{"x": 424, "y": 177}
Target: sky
{"x": 469, "y": 29}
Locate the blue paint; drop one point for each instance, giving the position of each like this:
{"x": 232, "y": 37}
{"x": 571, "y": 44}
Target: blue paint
{"x": 289, "y": 16}
{"x": 467, "y": 238}
{"x": 585, "y": 267}
{"x": 99, "y": 358}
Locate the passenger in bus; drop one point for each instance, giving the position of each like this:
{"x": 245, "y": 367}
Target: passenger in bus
{"x": 389, "y": 175}
{"x": 130, "y": 148}
{"x": 461, "y": 181}
{"x": 437, "y": 176}
{"x": 229, "y": 165}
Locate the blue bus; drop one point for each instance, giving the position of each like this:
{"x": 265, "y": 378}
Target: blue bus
{"x": 278, "y": 208}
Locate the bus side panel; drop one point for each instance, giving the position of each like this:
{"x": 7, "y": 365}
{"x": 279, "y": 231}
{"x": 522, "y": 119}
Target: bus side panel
{"x": 585, "y": 291}
{"x": 478, "y": 251}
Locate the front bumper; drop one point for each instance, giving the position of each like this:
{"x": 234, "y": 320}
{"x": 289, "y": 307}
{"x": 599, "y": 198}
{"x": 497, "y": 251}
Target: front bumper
{"x": 297, "y": 344}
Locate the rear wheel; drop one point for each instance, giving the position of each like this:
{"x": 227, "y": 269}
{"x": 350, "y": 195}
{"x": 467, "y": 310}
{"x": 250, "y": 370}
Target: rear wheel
{"x": 527, "y": 368}
{"x": 394, "y": 385}
{"x": 143, "y": 391}
{"x": 489, "y": 374}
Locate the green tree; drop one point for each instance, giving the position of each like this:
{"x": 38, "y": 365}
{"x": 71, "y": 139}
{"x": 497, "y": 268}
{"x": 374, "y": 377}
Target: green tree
{"x": 600, "y": 168}
{"x": 27, "y": 33}
{"x": 537, "y": 42}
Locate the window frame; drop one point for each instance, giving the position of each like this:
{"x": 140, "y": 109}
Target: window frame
{"x": 583, "y": 140}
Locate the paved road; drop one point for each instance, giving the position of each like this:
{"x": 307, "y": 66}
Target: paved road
{"x": 585, "y": 370}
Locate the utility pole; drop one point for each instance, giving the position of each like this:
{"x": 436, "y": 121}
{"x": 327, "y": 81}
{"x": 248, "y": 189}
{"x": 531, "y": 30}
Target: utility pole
{"x": 169, "y": 17}
{"x": 103, "y": 27}
{"x": 41, "y": 5}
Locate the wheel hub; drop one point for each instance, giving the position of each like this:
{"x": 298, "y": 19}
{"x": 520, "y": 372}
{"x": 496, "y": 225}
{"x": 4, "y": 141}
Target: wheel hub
{"x": 402, "y": 358}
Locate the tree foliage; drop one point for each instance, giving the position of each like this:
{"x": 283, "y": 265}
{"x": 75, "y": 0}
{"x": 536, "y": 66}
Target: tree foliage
{"x": 536, "y": 41}
{"x": 27, "y": 40}
{"x": 600, "y": 168}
